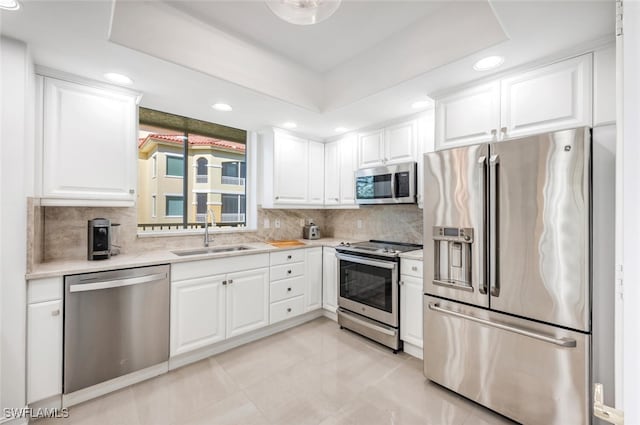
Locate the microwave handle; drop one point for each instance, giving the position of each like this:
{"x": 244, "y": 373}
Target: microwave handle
{"x": 394, "y": 177}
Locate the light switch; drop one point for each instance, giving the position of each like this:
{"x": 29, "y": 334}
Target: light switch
{"x": 266, "y": 224}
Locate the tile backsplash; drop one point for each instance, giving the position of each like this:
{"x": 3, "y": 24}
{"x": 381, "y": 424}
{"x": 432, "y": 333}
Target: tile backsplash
{"x": 60, "y": 233}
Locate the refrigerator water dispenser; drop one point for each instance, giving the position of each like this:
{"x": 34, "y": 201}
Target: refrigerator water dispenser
{"x": 452, "y": 248}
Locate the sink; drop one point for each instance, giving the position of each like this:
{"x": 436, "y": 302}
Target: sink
{"x": 217, "y": 250}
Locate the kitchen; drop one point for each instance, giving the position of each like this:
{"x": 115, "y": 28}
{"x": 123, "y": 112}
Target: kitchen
{"x": 56, "y": 49}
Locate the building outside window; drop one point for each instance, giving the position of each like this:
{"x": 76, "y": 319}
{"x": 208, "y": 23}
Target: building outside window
{"x": 169, "y": 146}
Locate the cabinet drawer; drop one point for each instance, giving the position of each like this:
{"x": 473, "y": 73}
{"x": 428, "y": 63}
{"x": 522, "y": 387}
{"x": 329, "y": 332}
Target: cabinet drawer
{"x": 286, "y": 309}
{"x": 286, "y": 257}
{"x": 48, "y": 289}
{"x": 203, "y": 268}
{"x": 287, "y": 270}
{"x": 286, "y": 288}
{"x": 411, "y": 268}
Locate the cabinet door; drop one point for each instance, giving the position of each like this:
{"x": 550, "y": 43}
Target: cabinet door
{"x": 551, "y": 98}
{"x": 400, "y": 143}
{"x": 331, "y": 174}
{"x": 604, "y": 86}
{"x": 247, "y": 301}
{"x": 348, "y": 163}
{"x": 468, "y": 116}
{"x": 329, "y": 279}
{"x": 411, "y": 310}
{"x": 44, "y": 350}
{"x": 315, "y": 174}
{"x": 370, "y": 149}
{"x": 197, "y": 313}
{"x": 313, "y": 290}
{"x": 291, "y": 169}
{"x": 89, "y": 145}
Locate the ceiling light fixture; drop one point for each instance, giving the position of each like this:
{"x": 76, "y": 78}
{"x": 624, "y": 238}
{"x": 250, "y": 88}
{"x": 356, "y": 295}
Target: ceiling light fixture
{"x": 114, "y": 77}
{"x": 341, "y": 129}
{"x": 289, "y": 124}
{"x": 222, "y": 107}
{"x": 419, "y": 104}
{"x": 9, "y": 5}
{"x": 488, "y": 63}
{"x": 303, "y": 12}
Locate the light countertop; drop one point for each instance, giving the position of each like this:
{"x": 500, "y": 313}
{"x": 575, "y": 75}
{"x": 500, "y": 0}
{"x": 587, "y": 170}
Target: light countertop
{"x": 149, "y": 258}
{"x": 412, "y": 255}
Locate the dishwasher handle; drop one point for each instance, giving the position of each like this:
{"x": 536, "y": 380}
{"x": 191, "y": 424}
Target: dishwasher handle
{"x": 108, "y": 284}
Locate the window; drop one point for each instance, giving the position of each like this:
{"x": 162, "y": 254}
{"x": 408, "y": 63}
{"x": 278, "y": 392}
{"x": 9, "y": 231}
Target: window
{"x": 174, "y": 206}
{"x": 196, "y": 166}
{"x": 175, "y": 166}
{"x": 234, "y": 173}
{"x": 202, "y": 171}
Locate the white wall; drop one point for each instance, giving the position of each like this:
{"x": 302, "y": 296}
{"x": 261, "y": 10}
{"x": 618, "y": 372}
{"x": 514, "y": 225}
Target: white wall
{"x": 16, "y": 130}
{"x": 631, "y": 212}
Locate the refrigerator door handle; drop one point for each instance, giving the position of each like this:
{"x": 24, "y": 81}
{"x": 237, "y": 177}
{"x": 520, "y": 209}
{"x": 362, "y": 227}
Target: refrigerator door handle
{"x": 482, "y": 279}
{"x": 563, "y": 342}
{"x": 494, "y": 212}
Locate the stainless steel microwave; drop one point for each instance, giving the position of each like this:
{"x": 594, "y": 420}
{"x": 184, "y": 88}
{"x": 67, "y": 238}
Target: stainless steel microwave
{"x": 388, "y": 184}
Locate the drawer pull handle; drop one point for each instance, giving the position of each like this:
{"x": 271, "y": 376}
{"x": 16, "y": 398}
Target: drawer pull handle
{"x": 288, "y": 289}
{"x": 55, "y": 312}
{"x": 288, "y": 271}
{"x": 224, "y": 282}
{"x": 414, "y": 268}
{"x": 288, "y": 257}
{"x": 289, "y": 310}
{"x": 230, "y": 281}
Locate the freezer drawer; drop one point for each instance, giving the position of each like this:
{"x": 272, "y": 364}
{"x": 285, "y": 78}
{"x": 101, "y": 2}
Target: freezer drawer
{"x": 532, "y": 373}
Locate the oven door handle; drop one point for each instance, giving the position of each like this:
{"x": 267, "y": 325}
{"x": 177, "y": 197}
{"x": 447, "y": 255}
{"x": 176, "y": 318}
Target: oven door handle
{"x": 367, "y": 261}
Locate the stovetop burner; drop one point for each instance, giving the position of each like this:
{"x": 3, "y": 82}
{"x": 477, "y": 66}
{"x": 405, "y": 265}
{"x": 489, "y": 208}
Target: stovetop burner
{"x": 386, "y": 248}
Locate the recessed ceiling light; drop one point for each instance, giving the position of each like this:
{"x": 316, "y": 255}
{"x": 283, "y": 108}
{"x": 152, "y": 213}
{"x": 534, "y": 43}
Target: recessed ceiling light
{"x": 340, "y": 129}
{"x": 289, "y": 124}
{"x": 222, "y": 107}
{"x": 114, "y": 77}
{"x": 9, "y": 5}
{"x": 488, "y": 63}
{"x": 419, "y": 104}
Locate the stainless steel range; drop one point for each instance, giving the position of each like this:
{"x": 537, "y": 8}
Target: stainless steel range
{"x": 368, "y": 293}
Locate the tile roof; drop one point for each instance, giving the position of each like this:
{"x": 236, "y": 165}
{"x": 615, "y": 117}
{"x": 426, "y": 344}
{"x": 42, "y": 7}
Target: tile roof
{"x": 195, "y": 140}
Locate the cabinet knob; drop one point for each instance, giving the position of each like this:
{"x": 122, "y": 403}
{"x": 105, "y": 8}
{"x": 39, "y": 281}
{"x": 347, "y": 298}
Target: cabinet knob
{"x": 224, "y": 282}
{"x": 230, "y": 281}
{"x": 288, "y": 289}
{"x": 401, "y": 282}
{"x": 56, "y": 312}
{"x": 494, "y": 132}
{"x": 132, "y": 191}
{"x": 414, "y": 268}
{"x": 289, "y": 310}
{"x": 337, "y": 199}
{"x": 277, "y": 197}
{"x": 288, "y": 271}
{"x": 288, "y": 257}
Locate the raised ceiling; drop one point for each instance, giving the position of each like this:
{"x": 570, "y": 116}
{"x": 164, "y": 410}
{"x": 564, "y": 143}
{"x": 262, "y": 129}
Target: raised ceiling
{"x": 350, "y": 83}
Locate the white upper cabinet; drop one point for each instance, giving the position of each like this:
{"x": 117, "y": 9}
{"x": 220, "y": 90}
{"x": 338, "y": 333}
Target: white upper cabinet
{"x": 88, "y": 137}
{"x": 468, "y": 116}
{"x": 371, "y": 149}
{"x": 316, "y": 173}
{"x": 292, "y": 170}
{"x": 553, "y": 97}
{"x": 339, "y": 171}
{"x": 400, "y": 143}
{"x": 390, "y": 145}
{"x": 425, "y": 144}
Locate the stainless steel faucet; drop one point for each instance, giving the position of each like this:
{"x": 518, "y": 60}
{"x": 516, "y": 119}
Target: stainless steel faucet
{"x": 206, "y": 226}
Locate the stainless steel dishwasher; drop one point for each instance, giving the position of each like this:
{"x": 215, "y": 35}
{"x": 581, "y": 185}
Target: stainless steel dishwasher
{"x": 115, "y": 323}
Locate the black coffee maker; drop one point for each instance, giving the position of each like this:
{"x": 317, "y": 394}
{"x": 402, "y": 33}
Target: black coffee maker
{"x": 99, "y": 237}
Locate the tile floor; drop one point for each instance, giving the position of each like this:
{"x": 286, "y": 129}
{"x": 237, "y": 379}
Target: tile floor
{"x": 313, "y": 374}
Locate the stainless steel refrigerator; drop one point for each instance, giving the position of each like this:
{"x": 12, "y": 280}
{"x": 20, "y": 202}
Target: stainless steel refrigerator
{"x": 507, "y": 305}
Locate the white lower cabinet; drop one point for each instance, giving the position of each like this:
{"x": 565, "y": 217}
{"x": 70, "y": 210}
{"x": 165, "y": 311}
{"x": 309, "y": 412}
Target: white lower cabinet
{"x": 291, "y": 283}
{"x": 44, "y": 339}
{"x": 313, "y": 289}
{"x": 329, "y": 279}
{"x": 247, "y": 301}
{"x": 212, "y": 300}
{"x": 411, "y": 295}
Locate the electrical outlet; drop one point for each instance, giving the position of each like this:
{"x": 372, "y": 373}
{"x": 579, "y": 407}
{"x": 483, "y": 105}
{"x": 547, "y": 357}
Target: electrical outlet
{"x": 302, "y": 222}
{"x": 359, "y": 224}
{"x": 266, "y": 224}
{"x": 276, "y": 223}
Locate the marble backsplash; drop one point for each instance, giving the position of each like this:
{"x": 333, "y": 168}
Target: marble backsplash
{"x": 60, "y": 233}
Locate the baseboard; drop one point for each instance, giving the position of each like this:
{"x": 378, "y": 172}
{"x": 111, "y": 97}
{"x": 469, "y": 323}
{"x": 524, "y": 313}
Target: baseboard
{"x": 330, "y": 314}
{"x": 220, "y": 347}
{"x": 113, "y": 384}
{"x": 14, "y": 421}
{"x": 412, "y": 350}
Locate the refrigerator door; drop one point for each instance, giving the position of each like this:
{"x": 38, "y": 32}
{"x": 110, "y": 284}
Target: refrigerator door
{"x": 533, "y": 373}
{"x": 539, "y": 190}
{"x": 454, "y": 224}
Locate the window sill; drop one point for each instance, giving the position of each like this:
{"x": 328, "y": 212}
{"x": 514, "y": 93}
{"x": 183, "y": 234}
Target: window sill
{"x": 193, "y": 232}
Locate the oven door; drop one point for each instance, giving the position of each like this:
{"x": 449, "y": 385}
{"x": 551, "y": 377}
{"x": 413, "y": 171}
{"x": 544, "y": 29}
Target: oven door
{"x": 369, "y": 287}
